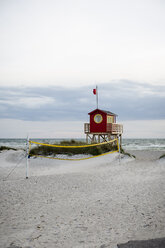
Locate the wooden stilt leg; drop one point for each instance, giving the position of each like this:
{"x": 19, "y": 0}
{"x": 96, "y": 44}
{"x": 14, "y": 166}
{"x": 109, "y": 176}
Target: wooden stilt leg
{"x": 120, "y": 141}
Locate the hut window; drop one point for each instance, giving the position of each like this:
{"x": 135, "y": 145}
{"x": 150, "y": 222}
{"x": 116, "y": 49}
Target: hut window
{"x": 98, "y": 118}
{"x": 109, "y": 119}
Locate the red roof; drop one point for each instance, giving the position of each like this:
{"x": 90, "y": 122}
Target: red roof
{"x": 104, "y": 111}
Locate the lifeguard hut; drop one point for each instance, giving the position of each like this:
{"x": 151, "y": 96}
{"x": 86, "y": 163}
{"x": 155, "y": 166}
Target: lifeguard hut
{"x": 102, "y": 126}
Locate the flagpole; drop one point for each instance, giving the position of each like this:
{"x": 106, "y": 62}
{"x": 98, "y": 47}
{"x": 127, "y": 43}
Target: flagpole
{"x": 97, "y": 97}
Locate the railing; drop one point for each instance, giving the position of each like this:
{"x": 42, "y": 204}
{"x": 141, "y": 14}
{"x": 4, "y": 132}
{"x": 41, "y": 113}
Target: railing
{"x": 112, "y": 128}
{"x": 86, "y": 128}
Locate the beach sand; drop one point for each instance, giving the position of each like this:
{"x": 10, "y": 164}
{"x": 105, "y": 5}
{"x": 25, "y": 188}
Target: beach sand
{"x": 92, "y": 203}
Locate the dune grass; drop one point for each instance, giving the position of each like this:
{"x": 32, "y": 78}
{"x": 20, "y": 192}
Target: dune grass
{"x": 163, "y": 156}
{"x": 127, "y": 154}
{"x": 2, "y": 148}
{"x": 52, "y": 151}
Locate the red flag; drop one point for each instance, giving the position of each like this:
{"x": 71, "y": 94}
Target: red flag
{"x": 94, "y": 91}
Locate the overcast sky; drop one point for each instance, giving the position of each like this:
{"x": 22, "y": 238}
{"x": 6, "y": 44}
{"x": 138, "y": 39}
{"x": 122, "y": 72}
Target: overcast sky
{"x": 53, "y": 53}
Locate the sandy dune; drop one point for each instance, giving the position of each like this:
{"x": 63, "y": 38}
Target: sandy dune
{"x": 92, "y": 203}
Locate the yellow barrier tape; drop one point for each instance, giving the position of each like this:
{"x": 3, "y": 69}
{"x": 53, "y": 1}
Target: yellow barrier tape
{"x": 98, "y": 144}
{"x": 76, "y": 159}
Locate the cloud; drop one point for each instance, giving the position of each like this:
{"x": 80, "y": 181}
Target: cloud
{"x": 130, "y": 100}
{"x": 80, "y": 41}
{"x": 27, "y": 102}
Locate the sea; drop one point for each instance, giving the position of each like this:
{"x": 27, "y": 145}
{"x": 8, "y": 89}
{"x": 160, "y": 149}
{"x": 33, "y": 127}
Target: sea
{"x": 127, "y": 144}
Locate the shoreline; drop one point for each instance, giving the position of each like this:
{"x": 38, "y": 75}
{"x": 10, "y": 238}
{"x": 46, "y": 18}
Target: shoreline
{"x": 93, "y": 203}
